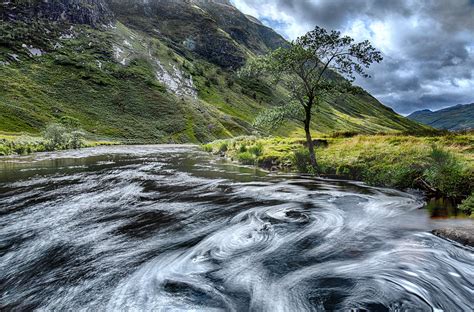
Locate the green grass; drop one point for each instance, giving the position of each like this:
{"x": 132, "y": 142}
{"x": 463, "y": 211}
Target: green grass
{"x": 444, "y": 163}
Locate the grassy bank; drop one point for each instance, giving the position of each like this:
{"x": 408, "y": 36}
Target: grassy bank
{"x": 23, "y": 144}
{"x": 441, "y": 165}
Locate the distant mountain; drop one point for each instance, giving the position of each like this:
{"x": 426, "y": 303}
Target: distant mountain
{"x": 457, "y": 117}
{"x": 150, "y": 71}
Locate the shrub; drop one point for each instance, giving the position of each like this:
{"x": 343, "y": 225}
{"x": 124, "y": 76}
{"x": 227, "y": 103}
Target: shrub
{"x": 468, "y": 204}
{"x": 257, "y": 150}
{"x": 301, "y": 160}
{"x": 56, "y": 136}
{"x": 76, "y": 139}
{"x": 59, "y": 137}
{"x": 223, "y": 147}
{"x": 4, "y": 150}
{"x": 242, "y": 148}
{"x": 446, "y": 173}
{"x": 246, "y": 158}
{"x": 207, "y": 148}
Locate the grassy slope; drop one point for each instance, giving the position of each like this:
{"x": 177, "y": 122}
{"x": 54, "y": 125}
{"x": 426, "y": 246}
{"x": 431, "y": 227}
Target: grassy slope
{"x": 116, "y": 101}
{"x": 446, "y": 163}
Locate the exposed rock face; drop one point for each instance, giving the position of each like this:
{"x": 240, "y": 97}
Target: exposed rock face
{"x": 213, "y": 29}
{"x": 90, "y": 12}
{"x": 176, "y": 81}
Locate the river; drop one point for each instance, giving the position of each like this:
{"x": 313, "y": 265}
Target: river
{"x": 170, "y": 228}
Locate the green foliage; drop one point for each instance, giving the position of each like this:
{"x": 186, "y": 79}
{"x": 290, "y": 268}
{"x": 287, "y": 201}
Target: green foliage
{"x": 468, "y": 205}
{"x": 256, "y": 150}
{"x": 301, "y": 160}
{"x": 308, "y": 68}
{"x": 56, "y": 136}
{"x": 246, "y": 158}
{"x": 207, "y": 148}
{"x": 223, "y": 147}
{"x": 275, "y": 117}
{"x": 70, "y": 122}
{"x": 446, "y": 173}
{"x": 243, "y": 148}
{"x": 25, "y": 144}
{"x": 76, "y": 139}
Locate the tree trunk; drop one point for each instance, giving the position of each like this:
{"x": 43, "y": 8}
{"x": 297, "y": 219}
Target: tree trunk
{"x": 309, "y": 140}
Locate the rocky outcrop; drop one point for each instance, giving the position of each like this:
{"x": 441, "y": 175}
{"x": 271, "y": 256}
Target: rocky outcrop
{"x": 91, "y": 12}
{"x": 185, "y": 24}
{"x": 463, "y": 235}
{"x": 212, "y": 29}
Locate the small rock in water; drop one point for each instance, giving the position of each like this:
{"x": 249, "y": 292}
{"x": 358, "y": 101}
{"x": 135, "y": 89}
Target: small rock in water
{"x": 463, "y": 235}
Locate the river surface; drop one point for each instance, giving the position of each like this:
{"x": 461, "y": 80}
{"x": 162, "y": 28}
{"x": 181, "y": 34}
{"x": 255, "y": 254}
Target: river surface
{"x": 170, "y": 228}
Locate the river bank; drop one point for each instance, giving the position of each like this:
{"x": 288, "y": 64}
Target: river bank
{"x": 438, "y": 165}
{"x": 24, "y": 144}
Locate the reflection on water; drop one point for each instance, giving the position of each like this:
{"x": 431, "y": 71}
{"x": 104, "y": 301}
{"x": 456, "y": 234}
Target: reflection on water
{"x": 147, "y": 228}
{"x": 444, "y": 208}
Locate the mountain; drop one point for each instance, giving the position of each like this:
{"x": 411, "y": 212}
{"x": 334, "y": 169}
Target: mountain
{"x": 150, "y": 71}
{"x": 457, "y": 117}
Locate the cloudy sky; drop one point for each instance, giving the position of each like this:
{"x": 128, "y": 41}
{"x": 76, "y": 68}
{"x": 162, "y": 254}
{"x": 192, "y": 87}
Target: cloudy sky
{"x": 428, "y": 45}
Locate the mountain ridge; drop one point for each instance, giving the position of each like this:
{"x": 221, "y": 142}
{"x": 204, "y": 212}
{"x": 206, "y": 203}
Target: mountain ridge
{"x": 457, "y": 117}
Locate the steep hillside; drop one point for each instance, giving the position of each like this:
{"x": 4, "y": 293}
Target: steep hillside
{"x": 457, "y": 117}
{"x": 149, "y": 71}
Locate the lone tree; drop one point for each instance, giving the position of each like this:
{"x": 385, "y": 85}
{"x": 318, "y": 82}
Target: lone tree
{"x": 309, "y": 68}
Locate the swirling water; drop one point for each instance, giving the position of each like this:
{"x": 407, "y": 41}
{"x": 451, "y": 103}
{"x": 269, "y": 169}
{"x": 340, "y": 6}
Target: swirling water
{"x": 152, "y": 228}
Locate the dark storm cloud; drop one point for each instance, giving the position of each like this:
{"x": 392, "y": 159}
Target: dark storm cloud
{"x": 336, "y": 13}
{"x": 428, "y": 45}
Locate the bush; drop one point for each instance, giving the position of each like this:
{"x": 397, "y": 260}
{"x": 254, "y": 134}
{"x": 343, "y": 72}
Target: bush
{"x": 76, "y": 139}
{"x": 223, "y": 147}
{"x": 59, "y": 137}
{"x": 468, "y": 204}
{"x": 446, "y": 173}
{"x": 246, "y": 158}
{"x": 4, "y": 150}
{"x": 207, "y": 148}
{"x": 242, "y": 148}
{"x": 56, "y": 136}
{"x": 301, "y": 160}
{"x": 257, "y": 150}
